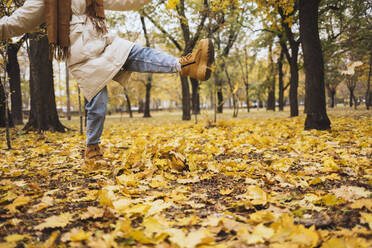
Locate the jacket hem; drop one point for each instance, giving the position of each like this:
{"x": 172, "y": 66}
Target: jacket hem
{"x": 110, "y": 78}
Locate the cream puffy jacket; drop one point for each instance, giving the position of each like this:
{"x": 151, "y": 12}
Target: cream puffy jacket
{"x": 95, "y": 59}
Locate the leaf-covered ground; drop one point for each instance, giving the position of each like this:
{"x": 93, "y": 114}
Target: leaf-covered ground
{"x": 256, "y": 181}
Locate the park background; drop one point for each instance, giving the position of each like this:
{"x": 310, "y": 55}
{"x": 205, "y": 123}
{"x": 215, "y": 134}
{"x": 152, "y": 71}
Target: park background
{"x": 223, "y": 163}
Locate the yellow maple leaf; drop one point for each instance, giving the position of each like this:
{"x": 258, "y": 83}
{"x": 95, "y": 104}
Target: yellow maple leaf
{"x": 366, "y": 218}
{"x": 79, "y": 235}
{"x": 194, "y": 238}
{"x": 256, "y": 195}
{"x": 19, "y": 201}
{"x": 259, "y": 235}
{"x": 362, "y": 203}
{"x": 54, "y": 221}
{"x": 16, "y": 237}
{"x": 140, "y": 236}
{"x": 92, "y": 212}
{"x": 329, "y": 200}
{"x": 226, "y": 191}
{"x": 345, "y": 242}
{"x": 106, "y": 197}
{"x": 262, "y": 217}
{"x": 305, "y": 236}
{"x": 329, "y": 165}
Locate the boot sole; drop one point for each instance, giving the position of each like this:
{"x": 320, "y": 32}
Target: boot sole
{"x": 207, "y": 59}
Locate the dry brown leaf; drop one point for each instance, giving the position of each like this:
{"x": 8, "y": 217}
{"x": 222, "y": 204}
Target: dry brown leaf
{"x": 92, "y": 212}
{"x": 54, "y": 221}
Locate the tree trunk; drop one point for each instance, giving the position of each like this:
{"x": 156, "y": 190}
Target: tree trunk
{"x": 220, "y": 101}
{"x": 260, "y": 104}
{"x": 15, "y": 84}
{"x": 351, "y": 97}
{"x": 271, "y": 100}
{"x": 233, "y": 95}
{"x": 281, "y": 83}
{"x": 368, "y": 93}
{"x": 314, "y": 66}
{"x": 271, "y": 88}
{"x": 146, "y": 112}
{"x": 186, "y": 113}
{"x": 293, "y": 82}
{"x": 292, "y": 60}
{"x": 236, "y": 107}
{"x": 68, "y": 104}
{"x": 195, "y": 96}
{"x": 332, "y": 93}
{"x": 128, "y": 105}
{"x": 3, "y": 118}
{"x": 247, "y": 96}
{"x": 43, "y": 115}
{"x": 293, "y": 101}
{"x": 80, "y": 112}
{"x": 85, "y": 112}
{"x": 218, "y": 84}
{"x": 212, "y": 96}
{"x": 141, "y": 106}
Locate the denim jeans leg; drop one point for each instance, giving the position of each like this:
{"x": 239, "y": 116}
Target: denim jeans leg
{"x": 146, "y": 59}
{"x": 96, "y": 112}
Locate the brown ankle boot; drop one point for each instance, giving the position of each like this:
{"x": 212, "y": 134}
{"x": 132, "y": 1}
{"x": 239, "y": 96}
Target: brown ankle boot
{"x": 93, "y": 158}
{"x": 198, "y": 64}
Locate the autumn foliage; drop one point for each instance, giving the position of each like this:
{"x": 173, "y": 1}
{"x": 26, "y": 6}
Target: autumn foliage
{"x": 248, "y": 182}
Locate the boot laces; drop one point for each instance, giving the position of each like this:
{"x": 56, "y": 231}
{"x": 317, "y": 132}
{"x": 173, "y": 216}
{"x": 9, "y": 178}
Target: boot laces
{"x": 185, "y": 59}
{"x": 95, "y": 152}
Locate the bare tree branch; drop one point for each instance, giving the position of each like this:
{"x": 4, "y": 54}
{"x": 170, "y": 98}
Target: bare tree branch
{"x": 158, "y": 26}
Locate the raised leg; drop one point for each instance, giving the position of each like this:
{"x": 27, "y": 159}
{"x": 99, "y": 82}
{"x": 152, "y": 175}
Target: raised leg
{"x": 146, "y": 59}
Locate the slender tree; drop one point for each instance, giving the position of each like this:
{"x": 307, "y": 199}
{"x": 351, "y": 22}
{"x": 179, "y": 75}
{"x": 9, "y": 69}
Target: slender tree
{"x": 148, "y": 84}
{"x": 281, "y": 87}
{"x": 279, "y": 18}
{"x": 15, "y": 82}
{"x": 5, "y": 117}
{"x": 351, "y": 82}
{"x": 224, "y": 41}
{"x": 189, "y": 42}
{"x": 68, "y": 105}
{"x": 271, "y": 81}
{"x": 368, "y": 93}
{"x": 195, "y": 96}
{"x": 129, "y": 106}
{"x": 245, "y": 69}
{"x": 233, "y": 93}
{"x": 292, "y": 57}
{"x": 80, "y": 111}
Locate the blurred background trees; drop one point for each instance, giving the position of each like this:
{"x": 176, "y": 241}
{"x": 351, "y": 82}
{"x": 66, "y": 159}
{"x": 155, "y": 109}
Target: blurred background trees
{"x": 261, "y": 60}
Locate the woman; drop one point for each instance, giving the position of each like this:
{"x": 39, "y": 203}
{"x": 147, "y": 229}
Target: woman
{"x": 77, "y": 32}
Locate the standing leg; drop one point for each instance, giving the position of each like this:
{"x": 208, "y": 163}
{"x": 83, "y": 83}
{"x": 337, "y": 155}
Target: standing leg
{"x": 96, "y": 111}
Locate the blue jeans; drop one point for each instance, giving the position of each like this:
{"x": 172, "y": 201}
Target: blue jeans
{"x": 140, "y": 59}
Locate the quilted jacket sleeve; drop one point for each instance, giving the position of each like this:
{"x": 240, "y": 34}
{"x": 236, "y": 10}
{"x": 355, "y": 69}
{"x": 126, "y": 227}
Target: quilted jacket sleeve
{"x": 122, "y": 5}
{"x": 23, "y": 20}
